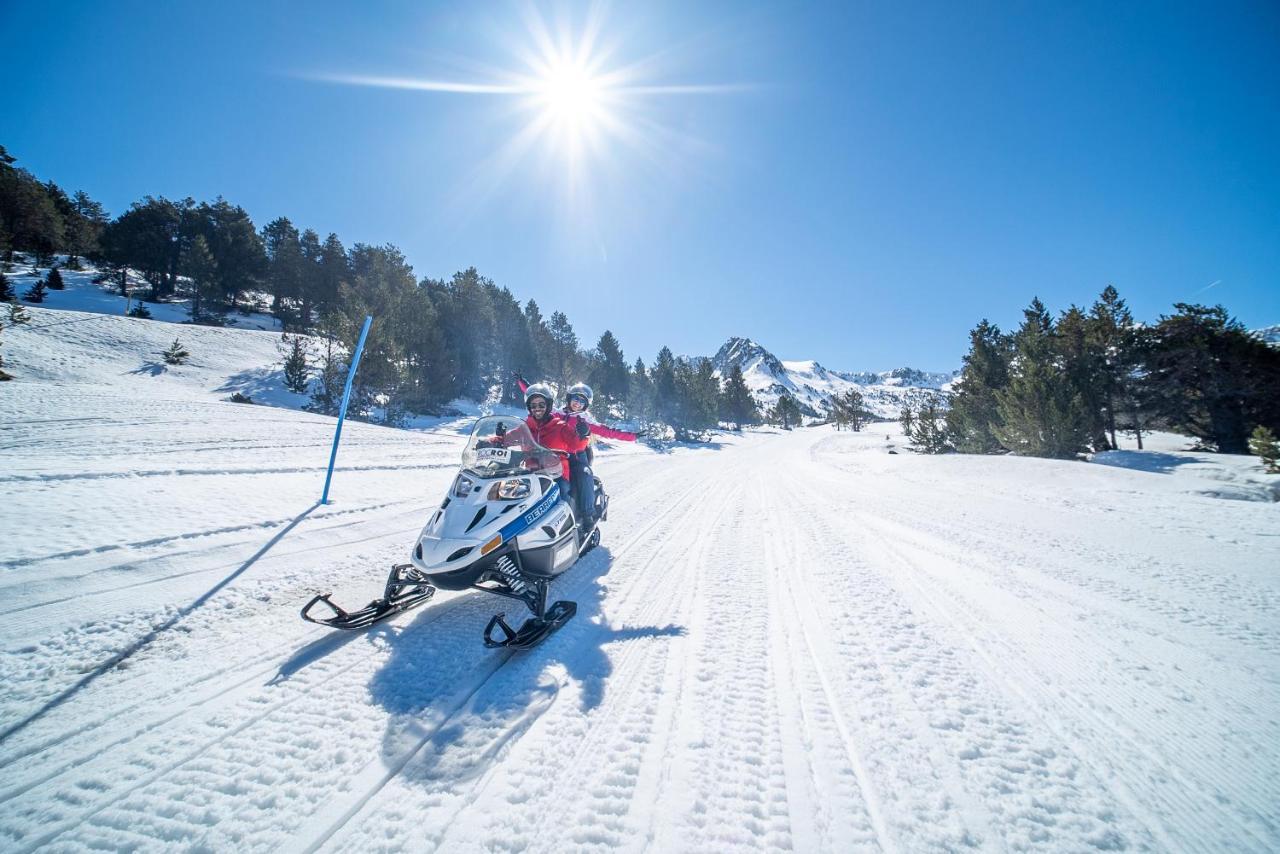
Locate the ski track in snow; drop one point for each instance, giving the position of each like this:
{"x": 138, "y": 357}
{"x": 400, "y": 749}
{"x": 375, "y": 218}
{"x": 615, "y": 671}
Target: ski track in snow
{"x": 791, "y": 642}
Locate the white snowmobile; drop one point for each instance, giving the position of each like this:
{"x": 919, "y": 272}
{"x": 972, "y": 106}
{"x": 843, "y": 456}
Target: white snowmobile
{"x": 504, "y": 528}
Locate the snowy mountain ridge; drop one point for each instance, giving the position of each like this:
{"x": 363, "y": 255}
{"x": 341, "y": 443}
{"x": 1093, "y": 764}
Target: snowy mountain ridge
{"x": 1269, "y": 334}
{"x": 812, "y": 385}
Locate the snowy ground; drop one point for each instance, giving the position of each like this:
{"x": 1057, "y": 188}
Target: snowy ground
{"x": 787, "y": 640}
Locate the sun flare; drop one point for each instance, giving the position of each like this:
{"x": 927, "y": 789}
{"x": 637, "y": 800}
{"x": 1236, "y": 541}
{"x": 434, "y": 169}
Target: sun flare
{"x": 580, "y": 110}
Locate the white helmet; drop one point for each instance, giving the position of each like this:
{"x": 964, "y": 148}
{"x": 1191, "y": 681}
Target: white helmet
{"x": 583, "y": 391}
{"x": 541, "y": 390}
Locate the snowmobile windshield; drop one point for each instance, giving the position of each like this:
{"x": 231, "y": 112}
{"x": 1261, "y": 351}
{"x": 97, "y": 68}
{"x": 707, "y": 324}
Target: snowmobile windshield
{"x": 502, "y": 446}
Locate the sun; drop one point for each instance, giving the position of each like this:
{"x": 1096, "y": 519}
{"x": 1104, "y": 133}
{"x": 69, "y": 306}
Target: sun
{"x": 571, "y": 96}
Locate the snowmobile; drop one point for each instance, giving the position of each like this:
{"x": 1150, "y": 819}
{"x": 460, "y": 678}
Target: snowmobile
{"x": 505, "y": 528}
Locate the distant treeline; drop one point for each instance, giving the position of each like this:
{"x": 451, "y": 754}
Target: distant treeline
{"x": 1057, "y": 388}
{"x": 1052, "y": 388}
{"x": 433, "y": 340}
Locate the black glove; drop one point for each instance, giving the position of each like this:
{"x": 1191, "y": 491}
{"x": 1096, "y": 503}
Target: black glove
{"x": 583, "y": 428}
{"x": 502, "y": 429}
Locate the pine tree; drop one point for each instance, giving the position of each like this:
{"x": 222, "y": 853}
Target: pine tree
{"x": 326, "y": 391}
{"x": 926, "y": 427}
{"x": 1040, "y": 411}
{"x": 848, "y": 410}
{"x": 1263, "y": 443}
{"x": 1205, "y": 376}
{"x": 200, "y": 267}
{"x": 973, "y": 414}
{"x": 1082, "y": 363}
{"x": 512, "y": 344}
{"x": 907, "y": 418}
{"x": 786, "y": 411}
{"x": 37, "y": 293}
{"x": 608, "y": 374}
{"x": 29, "y": 218}
{"x": 666, "y": 404}
{"x": 1111, "y": 334}
{"x": 333, "y": 271}
{"x": 430, "y": 369}
{"x": 564, "y": 368}
{"x": 235, "y": 245}
{"x": 698, "y": 398}
{"x": 285, "y": 269}
{"x": 539, "y": 363}
{"x": 737, "y": 405}
{"x": 176, "y": 354}
{"x": 296, "y": 370}
{"x": 6, "y": 290}
{"x": 383, "y": 286}
{"x": 308, "y": 287}
{"x": 84, "y": 228}
{"x": 150, "y": 238}
{"x": 18, "y": 314}
{"x": 54, "y": 280}
{"x": 140, "y": 311}
{"x": 468, "y": 322}
{"x": 640, "y": 393}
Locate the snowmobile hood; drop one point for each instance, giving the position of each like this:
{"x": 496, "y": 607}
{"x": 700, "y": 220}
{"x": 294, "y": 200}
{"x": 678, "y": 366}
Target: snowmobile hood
{"x": 472, "y": 524}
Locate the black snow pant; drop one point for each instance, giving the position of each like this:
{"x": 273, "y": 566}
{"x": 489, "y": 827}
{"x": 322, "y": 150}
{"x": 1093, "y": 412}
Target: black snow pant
{"x": 584, "y": 484}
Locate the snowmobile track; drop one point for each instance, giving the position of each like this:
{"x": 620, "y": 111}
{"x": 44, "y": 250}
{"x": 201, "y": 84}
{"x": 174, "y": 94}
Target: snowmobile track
{"x": 1194, "y": 798}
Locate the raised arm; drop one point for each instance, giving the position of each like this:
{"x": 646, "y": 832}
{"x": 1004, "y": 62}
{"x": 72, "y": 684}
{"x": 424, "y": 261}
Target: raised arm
{"x": 610, "y": 433}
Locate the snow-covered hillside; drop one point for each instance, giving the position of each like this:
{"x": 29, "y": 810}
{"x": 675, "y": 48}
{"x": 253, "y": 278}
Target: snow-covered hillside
{"x": 811, "y": 384}
{"x": 82, "y": 293}
{"x": 809, "y": 641}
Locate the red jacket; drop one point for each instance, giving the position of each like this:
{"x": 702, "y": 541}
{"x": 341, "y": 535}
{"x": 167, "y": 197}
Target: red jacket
{"x": 557, "y": 434}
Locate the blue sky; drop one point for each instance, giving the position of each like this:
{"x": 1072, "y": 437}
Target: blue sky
{"x": 858, "y": 183}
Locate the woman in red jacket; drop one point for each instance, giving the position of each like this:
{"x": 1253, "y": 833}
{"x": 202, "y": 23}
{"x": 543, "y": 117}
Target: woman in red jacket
{"x": 577, "y": 401}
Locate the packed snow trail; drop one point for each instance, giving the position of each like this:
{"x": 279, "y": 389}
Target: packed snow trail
{"x": 786, "y": 641}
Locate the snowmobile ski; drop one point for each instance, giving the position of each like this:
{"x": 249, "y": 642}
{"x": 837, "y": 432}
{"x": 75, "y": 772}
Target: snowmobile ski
{"x": 407, "y": 587}
{"x": 534, "y": 631}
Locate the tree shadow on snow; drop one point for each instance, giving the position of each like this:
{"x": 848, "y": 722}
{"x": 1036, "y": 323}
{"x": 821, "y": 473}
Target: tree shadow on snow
{"x": 1149, "y": 461}
{"x": 257, "y": 383}
{"x": 455, "y": 704}
{"x": 151, "y": 369}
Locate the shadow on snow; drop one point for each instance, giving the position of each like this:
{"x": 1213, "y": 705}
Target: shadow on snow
{"x": 456, "y": 704}
{"x": 1155, "y": 462}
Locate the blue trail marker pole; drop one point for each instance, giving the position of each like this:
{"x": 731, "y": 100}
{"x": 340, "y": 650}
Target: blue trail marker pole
{"x": 342, "y": 413}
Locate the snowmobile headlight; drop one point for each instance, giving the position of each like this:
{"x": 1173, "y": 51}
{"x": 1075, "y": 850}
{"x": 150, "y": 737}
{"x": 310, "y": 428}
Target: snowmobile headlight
{"x": 509, "y": 490}
{"x": 462, "y": 486}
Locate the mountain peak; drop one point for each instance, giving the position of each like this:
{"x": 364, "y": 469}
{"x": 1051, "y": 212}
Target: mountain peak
{"x": 746, "y": 354}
